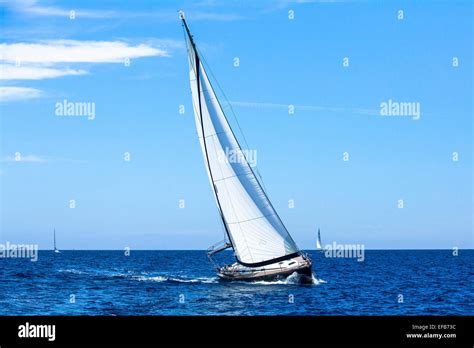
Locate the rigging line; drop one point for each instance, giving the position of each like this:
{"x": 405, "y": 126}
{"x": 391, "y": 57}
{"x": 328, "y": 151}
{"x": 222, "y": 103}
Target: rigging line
{"x": 233, "y": 114}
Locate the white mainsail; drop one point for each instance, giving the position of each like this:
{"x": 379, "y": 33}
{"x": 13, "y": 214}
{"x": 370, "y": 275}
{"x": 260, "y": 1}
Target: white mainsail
{"x": 254, "y": 229}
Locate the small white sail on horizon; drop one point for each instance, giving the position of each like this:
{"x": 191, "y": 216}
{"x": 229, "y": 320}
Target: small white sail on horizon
{"x": 55, "y": 249}
{"x": 318, "y": 241}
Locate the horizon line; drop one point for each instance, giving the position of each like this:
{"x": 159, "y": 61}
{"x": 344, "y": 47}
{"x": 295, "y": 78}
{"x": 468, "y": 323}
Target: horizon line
{"x": 412, "y": 249}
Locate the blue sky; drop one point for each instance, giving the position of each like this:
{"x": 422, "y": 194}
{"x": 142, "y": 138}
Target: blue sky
{"x": 47, "y": 57}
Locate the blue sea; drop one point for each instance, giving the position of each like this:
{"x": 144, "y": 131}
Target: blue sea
{"x": 404, "y": 282}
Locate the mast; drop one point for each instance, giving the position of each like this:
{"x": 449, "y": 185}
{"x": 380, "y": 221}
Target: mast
{"x": 197, "y": 61}
{"x": 54, "y": 239}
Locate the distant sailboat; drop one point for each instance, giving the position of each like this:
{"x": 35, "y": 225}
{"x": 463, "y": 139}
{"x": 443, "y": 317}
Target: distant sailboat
{"x": 55, "y": 249}
{"x": 262, "y": 245}
{"x": 318, "y": 242}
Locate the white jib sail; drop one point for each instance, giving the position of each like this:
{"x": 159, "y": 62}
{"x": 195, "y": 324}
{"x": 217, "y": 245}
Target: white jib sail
{"x": 254, "y": 228}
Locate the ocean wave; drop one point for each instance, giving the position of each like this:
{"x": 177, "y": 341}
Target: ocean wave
{"x": 316, "y": 280}
{"x": 201, "y": 280}
{"x": 100, "y": 274}
{"x": 142, "y": 276}
{"x": 292, "y": 279}
{"x": 73, "y": 271}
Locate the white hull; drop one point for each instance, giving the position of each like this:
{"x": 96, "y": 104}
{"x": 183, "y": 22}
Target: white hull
{"x": 299, "y": 264}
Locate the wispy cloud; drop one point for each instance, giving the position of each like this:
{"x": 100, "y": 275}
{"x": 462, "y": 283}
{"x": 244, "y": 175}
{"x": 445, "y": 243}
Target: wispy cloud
{"x": 33, "y": 7}
{"x": 13, "y": 72}
{"x": 283, "y": 4}
{"x": 45, "y": 60}
{"x": 360, "y": 111}
{"x": 26, "y": 158}
{"x": 48, "y": 59}
{"x": 73, "y": 51}
{"x": 18, "y": 93}
{"x": 286, "y": 3}
{"x": 214, "y": 16}
{"x": 38, "y": 159}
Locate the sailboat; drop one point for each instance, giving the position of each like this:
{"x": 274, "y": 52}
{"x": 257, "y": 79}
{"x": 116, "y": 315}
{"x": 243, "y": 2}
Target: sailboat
{"x": 318, "y": 242}
{"x": 55, "y": 249}
{"x": 262, "y": 246}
